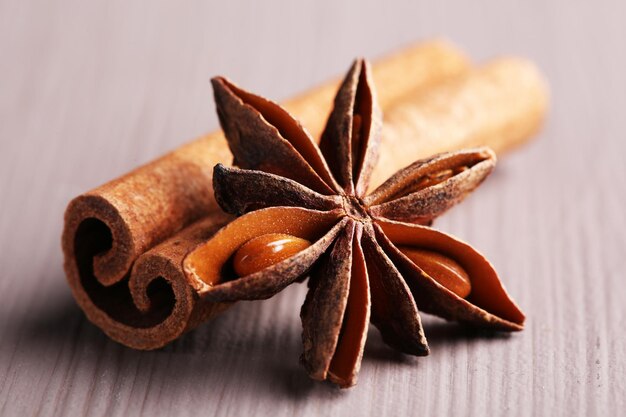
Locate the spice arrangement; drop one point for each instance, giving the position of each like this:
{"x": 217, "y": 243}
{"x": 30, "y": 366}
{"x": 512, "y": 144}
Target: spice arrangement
{"x": 158, "y": 251}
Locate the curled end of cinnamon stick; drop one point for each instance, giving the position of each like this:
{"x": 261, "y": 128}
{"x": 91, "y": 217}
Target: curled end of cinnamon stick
{"x": 143, "y": 307}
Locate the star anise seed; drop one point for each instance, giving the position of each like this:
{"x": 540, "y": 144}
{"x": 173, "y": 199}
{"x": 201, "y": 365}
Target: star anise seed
{"x": 372, "y": 257}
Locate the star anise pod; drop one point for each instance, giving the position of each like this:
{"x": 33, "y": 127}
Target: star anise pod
{"x": 304, "y": 212}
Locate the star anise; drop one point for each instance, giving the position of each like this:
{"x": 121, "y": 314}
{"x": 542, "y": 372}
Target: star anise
{"x": 305, "y": 212}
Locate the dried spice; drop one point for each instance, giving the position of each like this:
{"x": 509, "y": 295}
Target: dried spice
{"x": 370, "y": 257}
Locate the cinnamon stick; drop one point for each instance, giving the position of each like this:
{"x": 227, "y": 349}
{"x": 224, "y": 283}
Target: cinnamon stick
{"x": 124, "y": 242}
{"x": 501, "y": 104}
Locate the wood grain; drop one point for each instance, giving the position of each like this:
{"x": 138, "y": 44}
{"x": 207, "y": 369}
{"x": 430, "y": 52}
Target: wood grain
{"x": 90, "y": 90}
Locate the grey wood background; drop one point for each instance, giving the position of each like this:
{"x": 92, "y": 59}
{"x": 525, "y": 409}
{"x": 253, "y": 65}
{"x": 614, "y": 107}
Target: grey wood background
{"x": 88, "y": 90}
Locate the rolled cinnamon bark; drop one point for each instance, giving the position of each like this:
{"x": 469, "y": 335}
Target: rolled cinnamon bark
{"x": 124, "y": 242}
{"x": 501, "y": 105}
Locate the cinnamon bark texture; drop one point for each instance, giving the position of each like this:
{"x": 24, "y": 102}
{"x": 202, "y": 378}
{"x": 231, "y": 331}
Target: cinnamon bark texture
{"x": 501, "y": 105}
{"x": 124, "y": 242}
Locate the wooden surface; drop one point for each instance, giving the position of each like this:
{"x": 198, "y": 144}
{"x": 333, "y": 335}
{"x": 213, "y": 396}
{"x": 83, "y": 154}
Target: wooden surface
{"x": 89, "y": 90}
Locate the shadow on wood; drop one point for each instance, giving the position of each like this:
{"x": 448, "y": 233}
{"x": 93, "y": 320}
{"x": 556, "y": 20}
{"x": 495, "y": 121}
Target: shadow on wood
{"x": 250, "y": 346}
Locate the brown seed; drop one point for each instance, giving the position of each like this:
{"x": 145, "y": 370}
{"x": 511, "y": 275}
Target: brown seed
{"x": 357, "y": 124}
{"x": 266, "y": 250}
{"x": 442, "y": 269}
{"x": 437, "y": 178}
